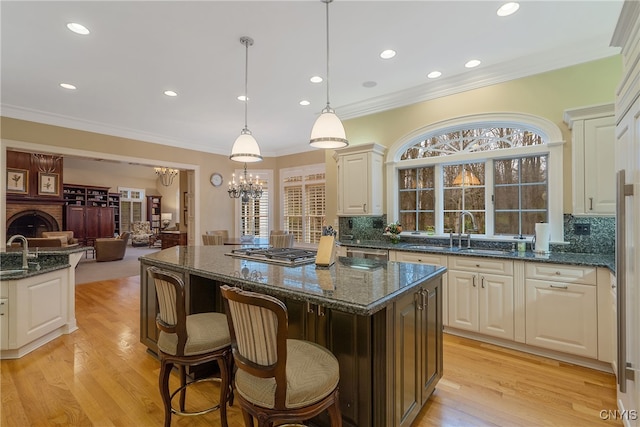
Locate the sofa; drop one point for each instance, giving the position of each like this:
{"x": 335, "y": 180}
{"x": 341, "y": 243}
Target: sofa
{"x": 53, "y": 239}
{"x": 111, "y": 248}
{"x": 140, "y": 233}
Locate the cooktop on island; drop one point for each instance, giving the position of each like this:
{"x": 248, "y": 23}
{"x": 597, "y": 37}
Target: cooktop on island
{"x": 282, "y": 256}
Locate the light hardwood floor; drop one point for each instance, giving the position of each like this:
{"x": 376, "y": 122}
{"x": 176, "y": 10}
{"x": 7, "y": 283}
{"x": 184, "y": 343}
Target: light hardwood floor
{"x": 101, "y": 375}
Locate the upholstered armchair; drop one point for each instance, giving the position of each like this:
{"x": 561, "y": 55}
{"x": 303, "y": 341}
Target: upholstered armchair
{"x": 111, "y": 249}
{"x": 140, "y": 233}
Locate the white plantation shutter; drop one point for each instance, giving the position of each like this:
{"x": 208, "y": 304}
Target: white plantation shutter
{"x": 255, "y": 215}
{"x": 303, "y": 202}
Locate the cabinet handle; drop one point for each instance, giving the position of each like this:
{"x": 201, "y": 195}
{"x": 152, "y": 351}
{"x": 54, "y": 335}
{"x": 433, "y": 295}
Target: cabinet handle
{"x": 482, "y": 281}
{"x": 425, "y": 299}
{"x": 418, "y": 303}
{"x": 364, "y": 207}
{"x": 309, "y": 308}
{"x": 590, "y": 203}
{"x": 320, "y": 311}
{"x": 559, "y": 286}
{"x": 474, "y": 281}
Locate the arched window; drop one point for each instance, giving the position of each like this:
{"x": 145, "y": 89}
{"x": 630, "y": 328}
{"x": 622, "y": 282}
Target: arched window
{"x": 504, "y": 170}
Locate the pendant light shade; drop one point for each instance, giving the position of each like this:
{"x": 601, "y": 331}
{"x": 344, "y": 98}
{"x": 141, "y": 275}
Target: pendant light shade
{"x": 246, "y": 149}
{"x": 327, "y": 131}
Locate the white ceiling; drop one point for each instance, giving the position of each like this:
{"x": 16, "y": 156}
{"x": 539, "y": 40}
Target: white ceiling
{"x": 138, "y": 49}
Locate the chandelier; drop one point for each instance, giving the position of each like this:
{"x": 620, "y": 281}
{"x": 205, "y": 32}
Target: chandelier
{"x": 246, "y": 189}
{"x": 46, "y": 163}
{"x": 327, "y": 131}
{"x": 166, "y": 175}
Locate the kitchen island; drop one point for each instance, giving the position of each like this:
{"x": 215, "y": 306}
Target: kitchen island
{"x": 382, "y": 320}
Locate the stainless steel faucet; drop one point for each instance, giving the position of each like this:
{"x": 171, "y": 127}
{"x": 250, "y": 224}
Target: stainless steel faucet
{"x": 461, "y": 225}
{"x": 25, "y": 249}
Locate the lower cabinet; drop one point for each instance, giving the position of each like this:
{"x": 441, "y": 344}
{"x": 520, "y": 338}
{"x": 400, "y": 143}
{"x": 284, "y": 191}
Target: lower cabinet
{"x": 480, "y": 300}
{"x": 562, "y": 308}
{"x": 418, "y": 350}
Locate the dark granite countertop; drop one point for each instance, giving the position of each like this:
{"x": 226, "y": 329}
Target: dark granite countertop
{"x": 49, "y": 259}
{"x": 569, "y": 258}
{"x": 354, "y": 285}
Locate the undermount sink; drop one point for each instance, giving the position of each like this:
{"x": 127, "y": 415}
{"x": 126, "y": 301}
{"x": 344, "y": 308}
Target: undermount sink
{"x": 427, "y": 247}
{"x": 485, "y": 251}
{"x": 9, "y": 272}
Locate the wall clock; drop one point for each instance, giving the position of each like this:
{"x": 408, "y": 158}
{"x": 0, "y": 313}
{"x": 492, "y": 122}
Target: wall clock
{"x": 216, "y": 179}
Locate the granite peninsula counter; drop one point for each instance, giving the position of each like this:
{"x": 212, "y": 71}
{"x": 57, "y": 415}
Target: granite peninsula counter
{"x": 382, "y": 320}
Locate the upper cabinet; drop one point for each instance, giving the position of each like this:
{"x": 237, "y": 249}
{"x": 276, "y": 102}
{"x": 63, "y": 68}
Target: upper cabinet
{"x": 592, "y": 145}
{"x": 360, "y": 184}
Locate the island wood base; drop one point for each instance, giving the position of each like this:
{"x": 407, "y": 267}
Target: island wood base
{"x": 390, "y": 361}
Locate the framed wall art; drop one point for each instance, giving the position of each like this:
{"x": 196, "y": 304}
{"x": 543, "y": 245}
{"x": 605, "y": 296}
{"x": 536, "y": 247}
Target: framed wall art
{"x": 17, "y": 181}
{"x": 48, "y": 184}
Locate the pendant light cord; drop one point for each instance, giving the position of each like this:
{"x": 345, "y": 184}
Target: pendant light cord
{"x": 327, "y": 3}
{"x": 246, "y": 82}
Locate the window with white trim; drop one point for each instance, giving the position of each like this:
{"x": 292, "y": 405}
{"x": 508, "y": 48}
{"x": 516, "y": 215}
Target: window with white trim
{"x": 497, "y": 171}
{"x": 303, "y": 202}
{"x": 132, "y": 206}
{"x": 255, "y": 217}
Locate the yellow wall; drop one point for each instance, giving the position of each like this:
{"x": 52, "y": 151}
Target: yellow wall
{"x": 546, "y": 95}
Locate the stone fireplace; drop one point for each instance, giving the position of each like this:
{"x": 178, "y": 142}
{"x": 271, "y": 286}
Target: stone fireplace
{"x": 31, "y": 219}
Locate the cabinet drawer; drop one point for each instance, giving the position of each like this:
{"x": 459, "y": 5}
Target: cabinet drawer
{"x": 561, "y": 273}
{"x": 418, "y": 258}
{"x": 481, "y": 265}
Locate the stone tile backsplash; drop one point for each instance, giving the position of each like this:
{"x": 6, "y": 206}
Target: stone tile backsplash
{"x": 600, "y": 240}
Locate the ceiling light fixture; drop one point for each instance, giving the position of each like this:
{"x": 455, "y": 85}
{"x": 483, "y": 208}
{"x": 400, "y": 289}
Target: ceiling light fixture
{"x": 78, "y": 28}
{"x": 434, "y": 74}
{"x": 316, "y": 79}
{"x": 170, "y": 93}
{"x": 508, "y": 8}
{"x": 246, "y": 148}
{"x": 473, "y": 63}
{"x": 387, "y": 54}
{"x": 67, "y": 86}
{"x": 246, "y": 189}
{"x": 327, "y": 131}
{"x": 304, "y": 103}
{"x": 166, "y": 175}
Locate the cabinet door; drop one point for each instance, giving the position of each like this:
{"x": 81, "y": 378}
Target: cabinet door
{"x": 92, "y": 222}
{"x": 599, "y": 161}
{"x": 355, "y": 185}
{"x": 431, "y": 361}
{"x": 496, "y": 316}
{"x": 105, "y": 222}
{"x": 74, "y": 219}
{"x": 407, "y": 354}
{"x": 463, "y": 300}
{"x": 562, "y": 316}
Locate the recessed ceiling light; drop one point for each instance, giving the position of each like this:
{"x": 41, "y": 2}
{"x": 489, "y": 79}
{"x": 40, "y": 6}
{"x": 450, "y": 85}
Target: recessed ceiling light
{"x": 170, "y": 93}
{"x": 242, "y": 98}
{"x": 387, "y": 54}
{"x": 68, "y": 86}
{"x": 508, "y": 8}
{"x": 434, "y": 74}
{"x": 78, "y": 28}
{"x": 473, "y": 63}
{"x": 369, "y": 84}
{"x": 304, "y": 102}
{"x": 315, "y": 79}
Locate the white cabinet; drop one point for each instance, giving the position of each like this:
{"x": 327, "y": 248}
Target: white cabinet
{"x": 360, "y": 185}
{"x": 481, "y": 296}
{"x": 37, "y": 311}
{"x": 431, "y": 259}
{"x": 561, "y": 308}
{"x": 593, "y": 156}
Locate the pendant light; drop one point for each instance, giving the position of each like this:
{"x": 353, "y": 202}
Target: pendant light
{"x": 327, "y": 131}
{"x": 246, "y": 148}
